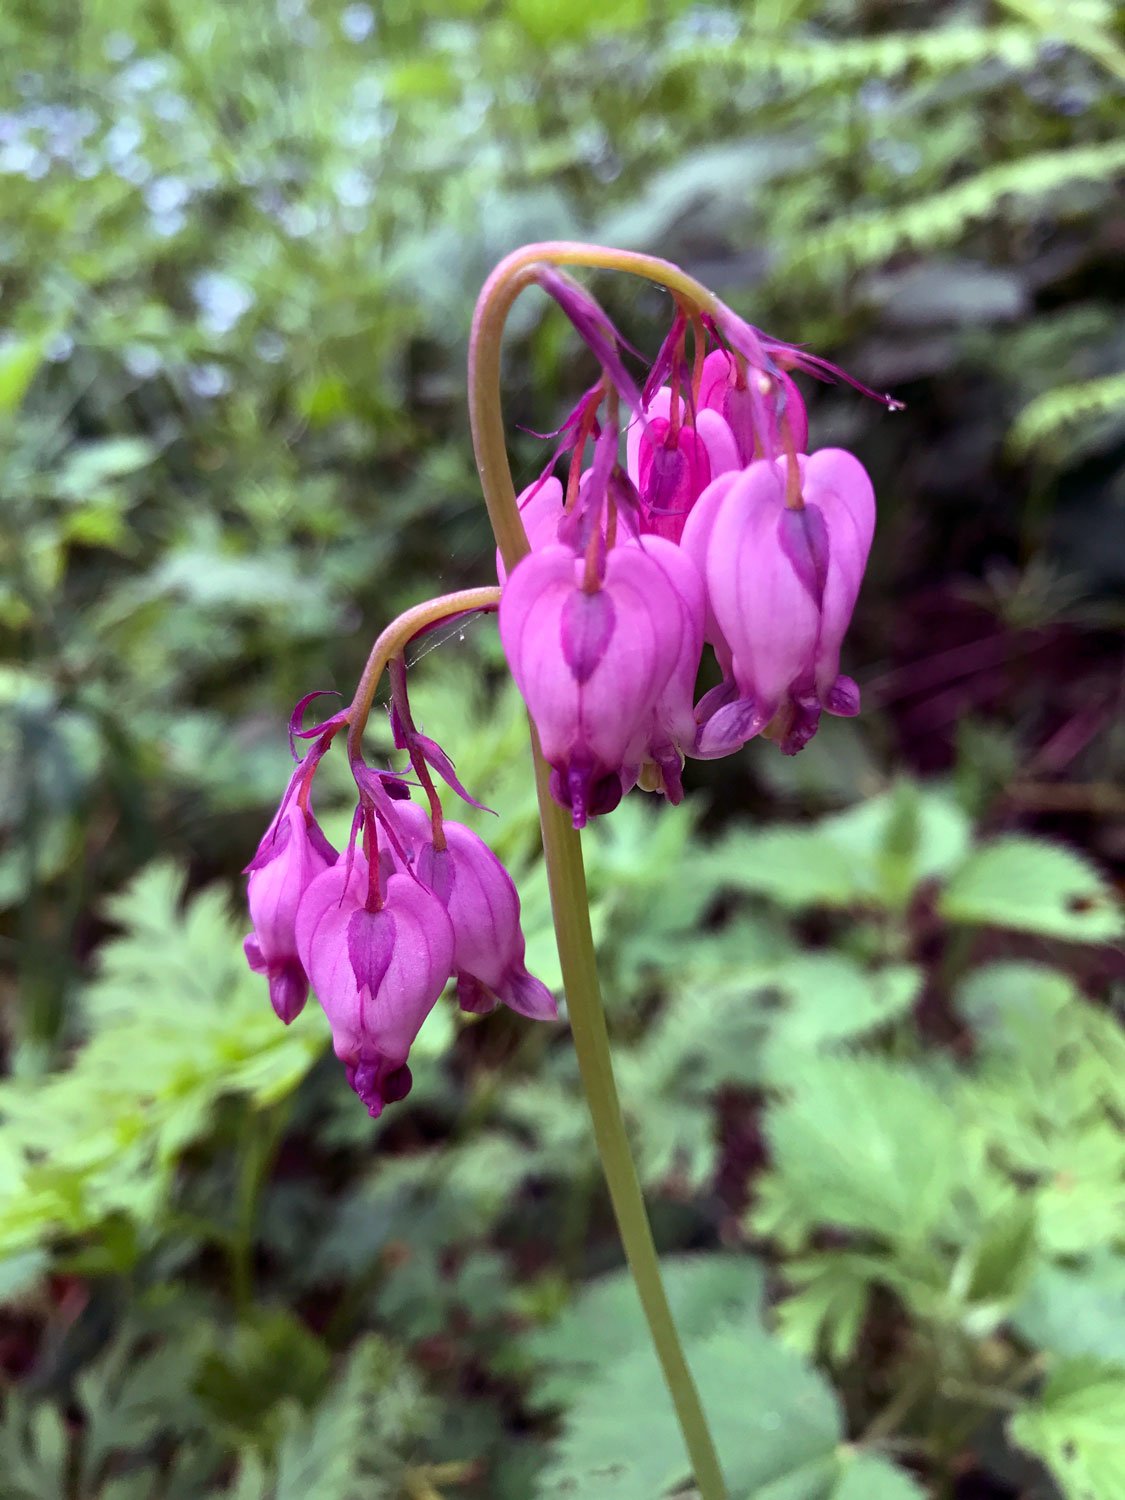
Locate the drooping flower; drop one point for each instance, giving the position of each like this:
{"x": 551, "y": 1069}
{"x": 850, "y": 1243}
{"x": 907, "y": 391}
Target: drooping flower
{"x": 754, "y": 418}
{"x": 672, "y": 462}
{"x": 541, "y": 511}
{"x": 783, "y": 565}
{"x": 591, "y": 658}
{"x": 484, "y": 908}
{"x": 377, "y": 973}
{"x": 292, "y": 854}
{"x": 670, "y": 734}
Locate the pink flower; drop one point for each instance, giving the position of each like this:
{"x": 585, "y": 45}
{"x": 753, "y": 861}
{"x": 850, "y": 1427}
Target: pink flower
{"x": 671, "y": 731}
{"x": 591, "y": 662}
{"x": 292, "y": 854}
{"x": 782, "y": 581}
{"x": 756, "y": 424}
{"x": 541, "y": 510}
{"x": 377, "y": 974}
{"x": 484, "y": 908}
{"x": 672, "y": 465}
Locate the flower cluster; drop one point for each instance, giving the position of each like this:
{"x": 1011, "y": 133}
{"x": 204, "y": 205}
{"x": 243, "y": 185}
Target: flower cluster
{"x": 719, "y": 528}
{"x": 716, "y": 526}
{"x": 378, "y": 930}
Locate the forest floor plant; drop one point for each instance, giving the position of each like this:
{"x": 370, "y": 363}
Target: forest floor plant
{"x": 716, "y": 527}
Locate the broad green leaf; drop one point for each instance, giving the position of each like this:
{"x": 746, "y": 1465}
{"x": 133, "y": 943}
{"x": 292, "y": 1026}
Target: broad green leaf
{"x": 823, "y": 999}
{"x": 1036, "y": 887}
{"x": 775, "y": 1422}
{"x": 1077, "y": 1427}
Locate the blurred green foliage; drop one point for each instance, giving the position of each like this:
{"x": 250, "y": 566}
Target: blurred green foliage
{"x": 863, "y": 1022}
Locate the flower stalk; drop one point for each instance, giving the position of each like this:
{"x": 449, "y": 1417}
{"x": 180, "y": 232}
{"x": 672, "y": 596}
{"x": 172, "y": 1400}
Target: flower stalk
{"x": 562, "y": 846}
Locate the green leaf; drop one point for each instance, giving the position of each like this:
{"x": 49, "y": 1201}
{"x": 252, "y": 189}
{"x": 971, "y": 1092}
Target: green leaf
{"x": 20, "y": 359}
{"x": 358, "y": 1442}
{"x": 550, "y": 23}
{"x": 775, "y": 1422}
{"x": 826, "y": 1307}
{"x": 1036, "y": 887}
{"x": 867, "y": 1145}
{"x": 865, "y": 1476}
{"x": 796, "y": 867}
{"x": 824, "y": 999}
{"x": 270, "y": 1358}
{"x": 604, "y": 1323}
{"x": 1080, "y": 1310}
{"x": 1077, "y": 1427}
{"x": 1015, "y": 1009}
{"x": 907, "y": 835}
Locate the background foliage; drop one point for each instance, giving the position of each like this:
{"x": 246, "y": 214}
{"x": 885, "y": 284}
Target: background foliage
{"x": 863, "y": 1001}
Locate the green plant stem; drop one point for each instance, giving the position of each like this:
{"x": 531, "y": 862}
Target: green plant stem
{"x": 562, "y": 848}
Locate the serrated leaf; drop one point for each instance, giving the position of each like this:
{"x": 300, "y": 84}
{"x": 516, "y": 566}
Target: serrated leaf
{"x": 863, "y": 1144}
{"x": 357, "y": 1443}
{"x": 1033, "y": 886}
{"x": 1077, "y": 1427}
{"x": 825, "y": 999}
{"x": 908, "y": 835}
{"x": 1014, "y": 1008}
{"x": 604, "y": 1323}
{"x": 775, "y": 1423}
{"x": 827, "y": 1306}
{"x": 796, "y": 867}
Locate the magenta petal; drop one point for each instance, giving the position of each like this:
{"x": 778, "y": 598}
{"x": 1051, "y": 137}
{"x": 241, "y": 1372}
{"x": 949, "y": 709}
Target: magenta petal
{"x": 842, "y": 698}
{"x": 474, "y": 998}
{"x": 528, "y": 996}
{"x": 729, "y": 728}
{"x": 763, "y": 609}
{"x": 289, "y": 989}
{"x": 836, "y": 483}
{"x": 253, "y": 951}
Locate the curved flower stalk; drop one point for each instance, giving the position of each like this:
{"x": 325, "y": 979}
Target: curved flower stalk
{"x": 715, "y": 526}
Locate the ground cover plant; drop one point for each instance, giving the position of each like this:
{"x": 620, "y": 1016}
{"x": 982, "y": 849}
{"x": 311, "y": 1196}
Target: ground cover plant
{"x": 862, "y": 1001}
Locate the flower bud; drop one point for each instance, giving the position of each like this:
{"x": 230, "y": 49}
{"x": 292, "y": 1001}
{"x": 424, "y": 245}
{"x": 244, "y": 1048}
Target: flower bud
{"x": 755, "y": 421}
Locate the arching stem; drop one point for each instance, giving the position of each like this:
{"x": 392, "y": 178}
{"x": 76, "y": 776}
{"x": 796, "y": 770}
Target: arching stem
{"x": 562, "y": 848}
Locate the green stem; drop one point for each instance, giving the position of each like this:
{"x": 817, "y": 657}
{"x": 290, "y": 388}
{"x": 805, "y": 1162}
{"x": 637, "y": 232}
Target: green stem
{"x": 562, "y": 848}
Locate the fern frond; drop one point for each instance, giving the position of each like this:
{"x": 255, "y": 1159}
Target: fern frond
{"x": 941, "y": 218}
{"x": 1052, "y": 416}
{"x": 1085, "y": 25}
{"x": 822, "y": 64}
